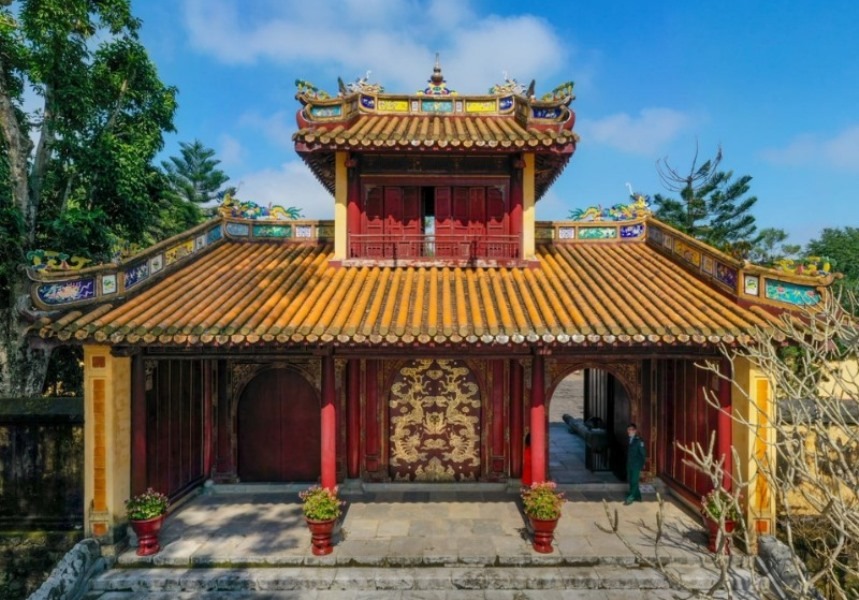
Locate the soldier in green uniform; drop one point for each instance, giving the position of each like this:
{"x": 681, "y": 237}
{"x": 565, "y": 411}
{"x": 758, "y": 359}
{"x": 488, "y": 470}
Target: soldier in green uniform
{"x": 635, "y": 457}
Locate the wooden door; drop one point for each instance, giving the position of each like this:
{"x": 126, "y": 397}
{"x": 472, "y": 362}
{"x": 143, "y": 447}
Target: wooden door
{"x": 435, "y": 422}
{"x": 278, "y": 428}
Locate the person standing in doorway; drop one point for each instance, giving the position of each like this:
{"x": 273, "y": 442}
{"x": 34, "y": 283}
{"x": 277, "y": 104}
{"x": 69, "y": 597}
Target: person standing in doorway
{"x": 635, "y": 458}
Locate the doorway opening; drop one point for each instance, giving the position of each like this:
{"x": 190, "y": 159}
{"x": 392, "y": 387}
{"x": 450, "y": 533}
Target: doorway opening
{"x": 586, "y": 410}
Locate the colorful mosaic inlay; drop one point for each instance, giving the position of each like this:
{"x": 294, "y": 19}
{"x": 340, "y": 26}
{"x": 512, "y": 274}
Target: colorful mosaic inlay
{"x": 475, "y": 106}
{"x": 214, "y": 234}
{"x": 64, "y": 292}
{"x": 178, "y": 251}
{"x": 272, "y": 231}
{"x": 326, "y": 111}
{"x": 238, "y": 229}
{"x": 688, "y": 253}
{"x": 597, "y": 233}
{"x": 727, "y": 275}
{"x": 751, "y": 285}
{"x": 394, "y": 105}
{"x": 136, "y": 274}
{"x": 437, "y": 106}
{"x": 632, "y": 231}
{"x": 791, "y": 293}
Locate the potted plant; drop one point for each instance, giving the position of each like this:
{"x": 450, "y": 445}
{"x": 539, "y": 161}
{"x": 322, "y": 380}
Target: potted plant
{"x": 542, "y": 503}
{"x": 718, "y": 507}
{"x": 146, "y": 513}
{"x": 321, "y": 509}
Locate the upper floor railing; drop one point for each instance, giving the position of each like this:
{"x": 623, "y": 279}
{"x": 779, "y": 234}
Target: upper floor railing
{"x": 434, "y": 246}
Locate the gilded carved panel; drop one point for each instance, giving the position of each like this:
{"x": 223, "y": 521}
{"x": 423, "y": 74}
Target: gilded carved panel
{"x": 435, "y": 419}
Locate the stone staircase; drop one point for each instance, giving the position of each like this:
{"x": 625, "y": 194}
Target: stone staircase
{"x": 461, "y": 581}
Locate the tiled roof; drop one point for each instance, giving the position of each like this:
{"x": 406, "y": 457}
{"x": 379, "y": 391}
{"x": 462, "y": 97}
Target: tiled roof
{"x": 380, "y": 131}
{"x": 258, "y": 293}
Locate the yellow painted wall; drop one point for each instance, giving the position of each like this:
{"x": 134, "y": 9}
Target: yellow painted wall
{"x": 755, "y": 444}
{"x": 341, "y": 196}
{"x": 845, "y": 383}
{"x": 107, "y": 442}
{"x": 529, "y": 208}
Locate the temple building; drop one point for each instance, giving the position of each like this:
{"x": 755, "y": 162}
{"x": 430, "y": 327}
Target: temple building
{"x": 420, "y": 335}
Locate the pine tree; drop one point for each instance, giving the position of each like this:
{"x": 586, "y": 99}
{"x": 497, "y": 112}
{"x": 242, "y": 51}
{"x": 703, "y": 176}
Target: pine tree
{"x": 192, "y": 179}
{"x": 713, "y": 207}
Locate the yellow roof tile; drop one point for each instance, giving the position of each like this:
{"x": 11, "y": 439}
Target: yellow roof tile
{"x": 275, "y": 292}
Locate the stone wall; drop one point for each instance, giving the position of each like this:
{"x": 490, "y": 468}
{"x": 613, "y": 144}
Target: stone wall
{"x": 26, "y": 559}
{"x": 41, "y": 463}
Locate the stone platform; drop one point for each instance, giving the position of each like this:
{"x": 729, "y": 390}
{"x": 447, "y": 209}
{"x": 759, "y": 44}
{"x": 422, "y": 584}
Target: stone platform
{"x": 415, "y": 542}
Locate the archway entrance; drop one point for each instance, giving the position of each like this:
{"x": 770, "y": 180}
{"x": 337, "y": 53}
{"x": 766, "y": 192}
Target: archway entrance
{"x": 278, "y": 429}
{"x": 588, "y": 413}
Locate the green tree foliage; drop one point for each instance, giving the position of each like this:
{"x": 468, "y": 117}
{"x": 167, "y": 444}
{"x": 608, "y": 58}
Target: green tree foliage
{"x": 841, "y": 246}
{"x": 88, "y": 182}
{"x": 771, "y": 247}
{"x": 193, "y": 178}
{"x": 713, "y": 206}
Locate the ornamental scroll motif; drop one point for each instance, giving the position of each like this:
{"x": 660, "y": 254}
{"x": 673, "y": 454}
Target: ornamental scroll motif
{"x": 435, "y": 422}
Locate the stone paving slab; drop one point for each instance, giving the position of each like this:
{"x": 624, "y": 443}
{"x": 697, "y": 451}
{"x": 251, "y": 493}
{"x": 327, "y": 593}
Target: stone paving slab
{"x": 480, "y": 528}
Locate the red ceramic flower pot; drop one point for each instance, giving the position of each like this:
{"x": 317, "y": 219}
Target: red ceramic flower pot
{"x": 147, "y": 535}
{"x": 320, "y": 536}
{"x": 713, "y": 535}
{"x": 544, "y": 533}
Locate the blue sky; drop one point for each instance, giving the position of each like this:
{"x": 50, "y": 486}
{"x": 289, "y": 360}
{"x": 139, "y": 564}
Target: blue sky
{"x": 775, "y": 83}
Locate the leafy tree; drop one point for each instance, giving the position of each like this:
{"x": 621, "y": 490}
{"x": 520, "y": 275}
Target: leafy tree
{"x": 841, "y": 246}
{"x": 193, "y": 178}
{"x": 712, "y": 206}
{"x": 771, "y": 247}
{"x": 88, "y": 182}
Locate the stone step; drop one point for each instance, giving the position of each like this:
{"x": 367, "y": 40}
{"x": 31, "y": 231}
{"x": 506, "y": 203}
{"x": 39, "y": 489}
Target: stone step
{"x": 408, "y": 595}
{"x": 430, "y": 579}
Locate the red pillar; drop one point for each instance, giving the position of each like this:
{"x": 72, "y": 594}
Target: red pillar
{"x": 329, "y": 425}
{"x": 538, "y": 421}
{"x": 516, "y": 418}
{"x": 208, "y": 422}
{"x": 138, "y": 425}
{"x": 353, "y": 408}
{"x": 724, "y": 422}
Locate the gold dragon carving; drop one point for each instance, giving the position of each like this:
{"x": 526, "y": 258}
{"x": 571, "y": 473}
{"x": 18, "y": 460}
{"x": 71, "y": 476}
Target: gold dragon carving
{"x": 435, "y": 422}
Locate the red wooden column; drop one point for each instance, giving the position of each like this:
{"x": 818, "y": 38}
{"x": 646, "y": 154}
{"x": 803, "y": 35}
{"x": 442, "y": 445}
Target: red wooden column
{"x": 724, "y": 422}
{"x": 138, "y": 425}
{"x": 208, "y": 422}
{"x": 516, "y": 419}
{"x": 329, "y": 425}
{"x": 353, "y": 410}
{"x": 538, "y": 420}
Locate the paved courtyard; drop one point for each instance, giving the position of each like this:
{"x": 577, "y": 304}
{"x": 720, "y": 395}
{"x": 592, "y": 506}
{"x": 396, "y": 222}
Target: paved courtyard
{"x": 435, "y": 527}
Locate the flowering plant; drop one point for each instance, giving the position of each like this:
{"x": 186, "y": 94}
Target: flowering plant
{"x": 719, "y": 503}
{"x": 542, "y": 501}
{"x": 148, "y": 505}
{"x": 321, "y": 504}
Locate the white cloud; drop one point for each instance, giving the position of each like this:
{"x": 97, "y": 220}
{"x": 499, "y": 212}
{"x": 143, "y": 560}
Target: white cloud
{"x": 290, "y": 185}
{"x": 232, "y": 153}
{"x": 396, "y": 39}
{"x": 840, "y": 151}
{"x": 277, "y": 127}
{"x": 646, "y": 134}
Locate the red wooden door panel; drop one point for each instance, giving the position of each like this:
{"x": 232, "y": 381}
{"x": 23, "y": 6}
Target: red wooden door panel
{"x": 278, "y": 429}
{"x": 477, "y": 211}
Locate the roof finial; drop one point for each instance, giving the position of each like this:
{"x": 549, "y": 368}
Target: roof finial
{"x": 437, "y": 77}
